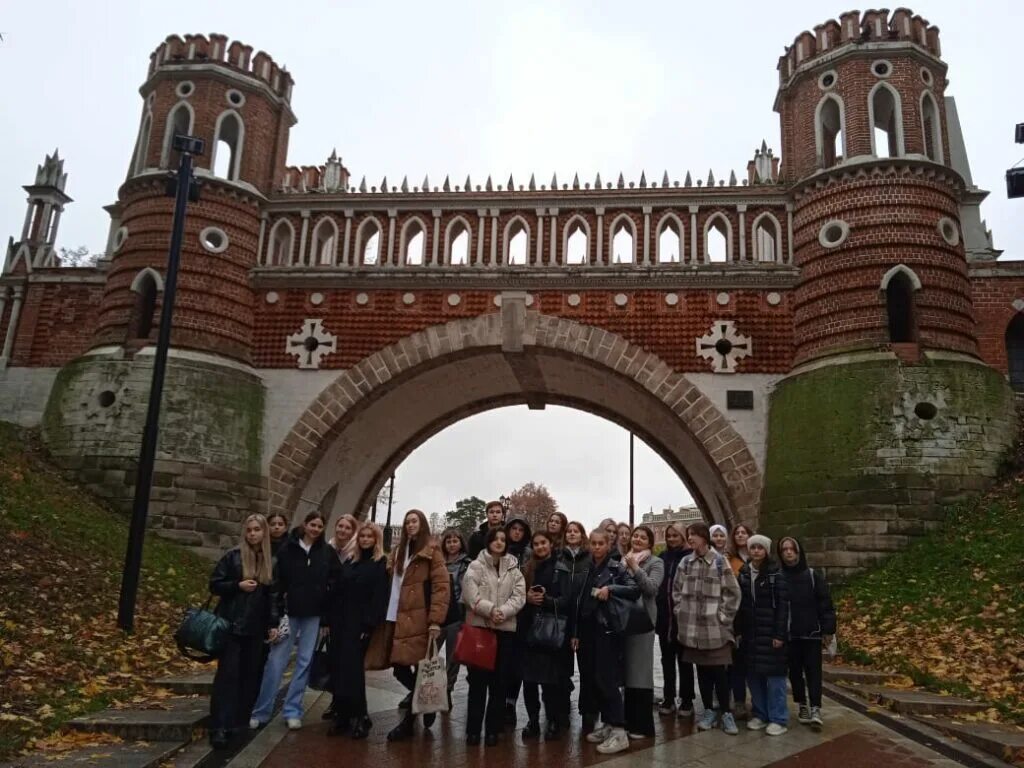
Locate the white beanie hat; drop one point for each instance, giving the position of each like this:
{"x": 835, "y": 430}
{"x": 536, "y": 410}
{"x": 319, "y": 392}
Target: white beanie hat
{"x": 759, "y": 539}
{"x": 717, "y": 527}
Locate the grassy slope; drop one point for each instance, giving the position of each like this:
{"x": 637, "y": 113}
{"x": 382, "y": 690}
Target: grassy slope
{"x": 62, "y": 552}
{"x": 949, "y": 611}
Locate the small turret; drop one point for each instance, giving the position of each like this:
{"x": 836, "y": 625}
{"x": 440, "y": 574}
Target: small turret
{"x": 46, "y": 201}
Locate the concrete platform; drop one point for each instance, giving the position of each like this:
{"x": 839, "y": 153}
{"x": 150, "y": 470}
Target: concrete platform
{"x": 837, "y": 674}
{"x": 174, "y": 723}
{"x": 134, "y": 755}
{"x": 200, "y": 684}
{"x": 918, "y": 702}
{"x": 1002, "y": 741}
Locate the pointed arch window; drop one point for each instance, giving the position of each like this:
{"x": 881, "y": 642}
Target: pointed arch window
{"x": 457, "y": 242}
{"x": 931, "y": 128}
{"x": 899, "y": 285}
{"x": 324, "y": 248}
{"x": 886, "y": 121}
{"x": 414, "y": 242}
{"x": 830, "y": 131}
{"x": 623, "y": 241}
{"x": 577, "y": 244}
{"x": 1014, "y": 339}
{"x": 767, "y": 239}
{"x": 226, "y": 158}
{"x": 147, "y": 285}
{"x": 179, "y": 121}
{"x": 517, "y": 239}
{"x": 717, "y": 240}
{"x": 670, "y": 241}
{"x": 281, "y": 237}
{"x": 142, "y": 148}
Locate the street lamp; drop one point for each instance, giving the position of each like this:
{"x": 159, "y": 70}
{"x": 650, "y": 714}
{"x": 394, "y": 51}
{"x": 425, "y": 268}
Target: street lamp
{"x": 183, "y": 188}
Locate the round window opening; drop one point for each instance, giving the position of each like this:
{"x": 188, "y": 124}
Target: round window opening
{"x": 926, "y": 411}
{"x": 235, "y": 98}
{"x": 311, "y": 343}
{"x": 827, "y": 80}
{"x": 833, "y": 233}
{"x": 119, "y": 237}
{"x": 949, "y": 231}
{"x": 185, "y": 88}
{"x": 926, "y": 76}
{"x": 723, "y": 346}
{"x": 106, "y": 398}
{"x": 882, "y": 68}
{"x": 213, "y": 239}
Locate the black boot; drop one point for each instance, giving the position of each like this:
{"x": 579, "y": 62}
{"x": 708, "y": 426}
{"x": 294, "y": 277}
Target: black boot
{"x": 532, "y": 730}
{"x": 404, "y": 729}
{"x": 361, "y": 727}
{"x": 339, "y": 727}
{"x": 219, "y": 739}
{"x": 552, "y": 731}
{"x": 406, "y": 703}
{"x": 510, "y": 715}
{"x": 491, "y": 740}
{"x": 328, "y": 713}
{"x": 428, "y": 719}
{"x": 589, "y": 721}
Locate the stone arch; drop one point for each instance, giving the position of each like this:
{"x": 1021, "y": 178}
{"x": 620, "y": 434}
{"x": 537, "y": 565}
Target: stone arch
{"x": 725, "y": 228}
{"x": 280, "y": 244}
{"x": 893, "y": 126}
{"x": 915, "y": 281}
{"x": 573, "y": 364}
{"x": 829, "y": 125}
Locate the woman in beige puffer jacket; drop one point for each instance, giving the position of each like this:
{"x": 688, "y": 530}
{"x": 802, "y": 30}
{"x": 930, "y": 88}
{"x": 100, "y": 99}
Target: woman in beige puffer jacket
{"x": 494, "y": 591}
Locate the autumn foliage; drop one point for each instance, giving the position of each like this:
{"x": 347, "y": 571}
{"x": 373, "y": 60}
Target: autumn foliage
{"x": 61, "y": 654}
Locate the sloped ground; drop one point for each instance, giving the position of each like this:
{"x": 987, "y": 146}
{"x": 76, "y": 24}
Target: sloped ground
{"x": 949, "y": 611}
{"x": 61, "y": 555}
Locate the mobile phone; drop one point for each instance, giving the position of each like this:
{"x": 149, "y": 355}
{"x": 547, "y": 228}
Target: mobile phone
{"x": 537, "y": 588}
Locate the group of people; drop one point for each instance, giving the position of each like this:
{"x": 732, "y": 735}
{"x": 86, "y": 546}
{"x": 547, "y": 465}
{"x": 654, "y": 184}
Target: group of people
{"x": 556, "y": 599}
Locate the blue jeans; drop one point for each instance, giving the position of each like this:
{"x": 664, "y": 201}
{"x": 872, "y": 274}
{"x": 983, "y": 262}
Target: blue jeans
{"x": 768, "y": 698}
{"x": 304, "y": 630}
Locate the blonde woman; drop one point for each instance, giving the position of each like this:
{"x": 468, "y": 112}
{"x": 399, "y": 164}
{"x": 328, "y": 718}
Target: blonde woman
{"x": 243, "y": 580}
{"x": 358, "y": 600}
{"x": 343, "y": 543}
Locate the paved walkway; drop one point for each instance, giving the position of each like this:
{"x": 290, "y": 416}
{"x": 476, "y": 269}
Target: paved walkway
{"x": 849, "y": 740}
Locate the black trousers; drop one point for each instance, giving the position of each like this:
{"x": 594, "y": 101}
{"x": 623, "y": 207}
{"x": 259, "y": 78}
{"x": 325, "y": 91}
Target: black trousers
{"x": 487, "y": 691}
{"x": 805, "y": 665}
{"x": 738, "y": 676}
{"x": 638, "y": 704}
{"x": 348, "y": 675}
{"x": 515, "y": 645}
{"x": 405, "y": 675}
{"x": 556, "y": 702}
{"x": 711, "y": 681}
{"x": 671, "y": 659}
{"x": 603, "y": 664}
{"x": 236, "y": 682}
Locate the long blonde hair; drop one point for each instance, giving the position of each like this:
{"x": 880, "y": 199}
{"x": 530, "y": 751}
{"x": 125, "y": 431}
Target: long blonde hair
{"x": 256, "y": 562}
{"x": 378, "y": 540}
{"x": 349, "y": 550}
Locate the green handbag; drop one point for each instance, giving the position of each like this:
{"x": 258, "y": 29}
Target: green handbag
{"x": 202, "y": 634}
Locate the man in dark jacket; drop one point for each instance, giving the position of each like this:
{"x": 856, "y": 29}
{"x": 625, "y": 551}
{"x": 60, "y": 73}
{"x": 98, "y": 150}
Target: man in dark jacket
{"x": 763, "y": 625}
{"x": 495, "y": 518}
{"x": 812, "y": 625}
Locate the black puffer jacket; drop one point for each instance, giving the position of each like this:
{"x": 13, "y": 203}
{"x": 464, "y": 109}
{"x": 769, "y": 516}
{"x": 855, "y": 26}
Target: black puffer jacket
{"x": 763, "y": 618}
{"x": 302, "y": 576}
{"x": 541, "y": 665}
{"x": 611, "y": 574}
{"x": 457, "y": 572}
{"x": 358, "y": 595}
{"x": 250, "y": 613}
{"x": 811, "y": 613}
{"x": 666, "y": 625}
{"x": 520, "y": 550}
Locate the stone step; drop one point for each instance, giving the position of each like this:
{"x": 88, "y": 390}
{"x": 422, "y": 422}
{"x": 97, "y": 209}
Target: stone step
{"x": 191, "y": 756}
{"x": 1002, "y": 741}
{"x": 199, "y": 684}
{"x": 837, "y": 674}
{"x": 173, "y": 722}
{"x": 917, "y": 702}
{"x": 144, "y": 754}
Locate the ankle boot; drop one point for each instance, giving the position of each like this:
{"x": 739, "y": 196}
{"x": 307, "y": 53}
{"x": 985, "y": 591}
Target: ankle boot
{"x": 404, "y": 729}
{"x": 361, "y": 727}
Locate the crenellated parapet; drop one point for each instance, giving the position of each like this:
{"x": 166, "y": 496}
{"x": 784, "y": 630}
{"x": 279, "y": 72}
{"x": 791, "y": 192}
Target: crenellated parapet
{"x": 857, "y": 28}
{"x": 215, "y": 49}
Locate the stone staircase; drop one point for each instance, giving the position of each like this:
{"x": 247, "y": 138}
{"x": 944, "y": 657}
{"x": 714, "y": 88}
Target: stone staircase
{"x": 170, "y": 734}
{"x": 942, "y": 714}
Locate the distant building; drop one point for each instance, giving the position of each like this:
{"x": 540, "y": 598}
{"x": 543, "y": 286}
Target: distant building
{"x": 659, "y": 521}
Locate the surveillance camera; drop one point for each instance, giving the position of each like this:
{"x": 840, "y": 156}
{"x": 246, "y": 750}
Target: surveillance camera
{"x": 189, "y": 144}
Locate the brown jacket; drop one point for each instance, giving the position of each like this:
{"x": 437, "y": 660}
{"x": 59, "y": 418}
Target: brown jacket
{"x": 409, "y": 645}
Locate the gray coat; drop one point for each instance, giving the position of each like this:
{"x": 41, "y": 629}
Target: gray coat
{"x": 640, "y": 648}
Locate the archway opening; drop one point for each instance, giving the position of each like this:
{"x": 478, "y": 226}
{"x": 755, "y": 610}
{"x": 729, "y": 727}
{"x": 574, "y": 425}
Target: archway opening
{"x": 1014, "y": 339}
{"x": 899, "y": 304}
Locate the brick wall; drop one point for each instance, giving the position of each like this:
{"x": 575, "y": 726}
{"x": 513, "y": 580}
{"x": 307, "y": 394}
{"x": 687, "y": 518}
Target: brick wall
{"x": 57, "y": 320}
{"x": 994, "y": 289}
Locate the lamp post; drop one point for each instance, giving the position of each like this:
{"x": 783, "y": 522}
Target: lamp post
{"x": 631, "y": 510}
{"x": 387, "y": 525}
{"x": 183, "y": 188}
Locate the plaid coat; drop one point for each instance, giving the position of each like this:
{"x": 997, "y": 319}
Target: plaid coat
{"x": 706, "y": 597}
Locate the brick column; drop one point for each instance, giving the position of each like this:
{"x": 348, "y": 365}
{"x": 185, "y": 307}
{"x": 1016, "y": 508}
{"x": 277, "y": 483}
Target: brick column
{"x": 12, "y": 327}
{"x": 259, "y": 246}
{"x": 789, "y": 231}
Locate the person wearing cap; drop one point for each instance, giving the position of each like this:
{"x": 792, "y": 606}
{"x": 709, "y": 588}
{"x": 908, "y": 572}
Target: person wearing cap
{"x": 763, "y": 627}
{"x": 720, "y": 539}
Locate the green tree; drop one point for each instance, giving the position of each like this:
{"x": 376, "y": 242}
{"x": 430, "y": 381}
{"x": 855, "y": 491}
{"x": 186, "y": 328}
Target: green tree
{"x": 467, "y": 515}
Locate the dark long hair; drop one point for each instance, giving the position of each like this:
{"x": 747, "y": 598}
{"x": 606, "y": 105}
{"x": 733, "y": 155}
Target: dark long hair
{"x": 405, "y": 544}
{"x": 531, "y": 567}
{"x": 732, "y": 548}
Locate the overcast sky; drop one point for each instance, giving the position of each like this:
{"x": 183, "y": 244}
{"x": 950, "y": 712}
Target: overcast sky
{"x": 470, "y": 88}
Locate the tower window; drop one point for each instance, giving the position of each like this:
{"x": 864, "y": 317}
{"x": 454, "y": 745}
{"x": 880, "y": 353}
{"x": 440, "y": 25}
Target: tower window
{"x": 899, "y": 305}
{"x": 717, "y": 237}
{"x": 767, "y": 240}
{"x": 140, "y": 324}
{"x": 830, "y": 133}
{"x": 227, "y": 149}
{"x": 519, "y": 244}
{"x": 143, "y": 146}
{"x": 458, "y": 252}
{"x": 577, "y": 245}
{"x": 414, "y": 243}
{"x": 931, "y": 128}
{"x": 281, "y": 244}
{"x": 179, "y": 121}
{"x": 886, "y": 122}
{"x": 670, "y": 241}
{"x": 371, "y": 251}
{"x": 623, "y": 242}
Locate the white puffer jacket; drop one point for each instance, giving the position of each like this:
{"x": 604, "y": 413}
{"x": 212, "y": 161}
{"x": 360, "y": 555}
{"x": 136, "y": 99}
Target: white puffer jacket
{"x": 485, "y": 588}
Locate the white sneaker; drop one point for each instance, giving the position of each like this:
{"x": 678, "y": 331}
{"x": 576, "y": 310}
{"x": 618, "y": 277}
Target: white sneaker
{"x": 774, "y": 729}
{"x": 636, "y": 736}
{"x": 599, "y": 735}
{"x": 254, "y": 724}
{"x": 618, "y": 741}
{"x": 684, "y": 712}
{"x": 816, "y": 721}
{"x": 756, "y": 724}
{"x": 294, "y": 723}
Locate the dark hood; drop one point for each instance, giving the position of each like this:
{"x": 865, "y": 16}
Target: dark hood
{"x": 516, "y": 548}
{"x": 801, "y": 564}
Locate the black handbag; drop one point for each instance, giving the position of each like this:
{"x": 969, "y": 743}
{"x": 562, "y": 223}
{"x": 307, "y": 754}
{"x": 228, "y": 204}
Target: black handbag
{"x": 547, "y": 631}
{"x": 320, "y": 668}
{"x": 625, "y": 617}
{"x": 202, "y": 634}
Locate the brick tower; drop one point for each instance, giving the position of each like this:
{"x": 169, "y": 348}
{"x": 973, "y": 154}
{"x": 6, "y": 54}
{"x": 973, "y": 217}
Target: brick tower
{"x": 885, "y": 346}
{"x": 239, "y": 104}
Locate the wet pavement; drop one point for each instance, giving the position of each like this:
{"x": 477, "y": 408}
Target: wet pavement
{"x": 848, "y": 740}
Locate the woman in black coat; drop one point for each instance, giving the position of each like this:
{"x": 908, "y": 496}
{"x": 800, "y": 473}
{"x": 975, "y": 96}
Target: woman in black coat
{"x": 812, "y": 625}
{"x": 763, "y": 626}
{"x": 358, "y": 601}
{"x": 243, "y": 580}
{"x": 278, "y": 525}
{"x": 574, "y": 557}
{"x": 668, "y": 631}
{"x": 549, "y": 594}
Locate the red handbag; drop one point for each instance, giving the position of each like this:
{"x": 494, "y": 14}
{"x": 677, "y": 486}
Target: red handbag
{"x": 476, "y": 647}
